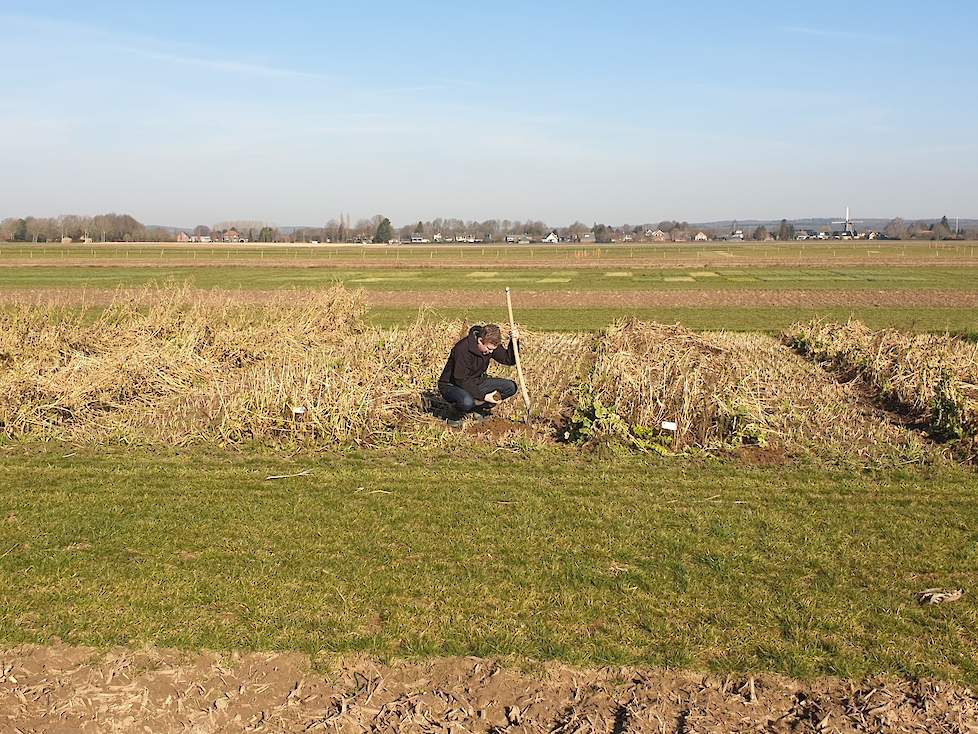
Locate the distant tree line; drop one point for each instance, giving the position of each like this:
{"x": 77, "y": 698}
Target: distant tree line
{"x": 125, "y": 228}
{"x": 898, "y": 229}
{"x": 100, "y": 228}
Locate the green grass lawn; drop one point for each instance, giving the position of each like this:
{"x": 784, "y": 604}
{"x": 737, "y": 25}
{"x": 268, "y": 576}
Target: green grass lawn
{"x": 962, "y": 322}
{"x": 494, "y": 276}
{"x": 804, "y": 570}
{"x": 771, "y": 319}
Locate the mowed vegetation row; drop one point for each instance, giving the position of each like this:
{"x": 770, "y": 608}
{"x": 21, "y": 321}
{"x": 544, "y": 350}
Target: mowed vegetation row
{"x": 186, "y": 367}
{"x": 805, "y": 570}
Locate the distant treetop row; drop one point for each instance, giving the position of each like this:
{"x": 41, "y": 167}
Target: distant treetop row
{"x": 378, "y": 229}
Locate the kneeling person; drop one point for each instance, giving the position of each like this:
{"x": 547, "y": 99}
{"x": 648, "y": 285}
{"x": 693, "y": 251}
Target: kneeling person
{"x": 464, "y": 382}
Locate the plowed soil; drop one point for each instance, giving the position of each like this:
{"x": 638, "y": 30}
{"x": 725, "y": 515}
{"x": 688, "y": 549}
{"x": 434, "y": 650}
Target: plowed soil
{"x": 69, "y": 689}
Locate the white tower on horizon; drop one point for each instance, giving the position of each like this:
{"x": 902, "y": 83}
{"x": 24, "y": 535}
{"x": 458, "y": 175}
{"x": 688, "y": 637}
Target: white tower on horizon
{"x": 849, "y": 224}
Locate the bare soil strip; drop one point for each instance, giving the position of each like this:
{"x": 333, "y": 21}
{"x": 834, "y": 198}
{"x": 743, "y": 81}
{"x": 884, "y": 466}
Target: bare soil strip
{"x": 72, "y": 689}
{"x": 489, "y": 298}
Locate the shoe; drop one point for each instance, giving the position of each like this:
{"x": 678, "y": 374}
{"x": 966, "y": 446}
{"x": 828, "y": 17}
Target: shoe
{"x": 481, "y": 417}
{"x": 456, "y": 422}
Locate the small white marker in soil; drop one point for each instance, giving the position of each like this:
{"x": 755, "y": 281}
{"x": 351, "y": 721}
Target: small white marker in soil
{"x": 669, "y": 426}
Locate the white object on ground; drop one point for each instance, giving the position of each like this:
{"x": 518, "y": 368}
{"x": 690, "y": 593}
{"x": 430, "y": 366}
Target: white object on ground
{"x": 670, "y": 426}
{"x": 939, "y": 596}
{"x": 303, "y": 473}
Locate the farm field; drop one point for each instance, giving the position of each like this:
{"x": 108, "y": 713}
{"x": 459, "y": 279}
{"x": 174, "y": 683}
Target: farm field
{"x": 742, "y": 291}
{"x": 639, "y": 255}
{"x": 250, "y": 277}
{"x": 817, "y": 479}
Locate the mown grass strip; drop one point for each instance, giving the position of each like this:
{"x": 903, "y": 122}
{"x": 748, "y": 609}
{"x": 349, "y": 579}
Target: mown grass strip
{"x": 768, "y": 319}
{"x": 802, "y": 570}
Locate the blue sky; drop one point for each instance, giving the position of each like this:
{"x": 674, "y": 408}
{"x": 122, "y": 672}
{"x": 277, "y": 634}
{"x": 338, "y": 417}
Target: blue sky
{"x": 184, "y": 113}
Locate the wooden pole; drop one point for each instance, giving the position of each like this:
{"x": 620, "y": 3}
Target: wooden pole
{"x": 516, "y": 353}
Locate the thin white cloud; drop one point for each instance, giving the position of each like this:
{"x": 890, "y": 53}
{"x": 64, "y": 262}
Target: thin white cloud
{"x": 224, "y": 65}
{"x": 170, "y": 51}
{"x": 838, "y": 35}
{"x": 149, "y": 48}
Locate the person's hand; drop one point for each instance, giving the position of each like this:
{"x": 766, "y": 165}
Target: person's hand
{"x": 514, "y": 332}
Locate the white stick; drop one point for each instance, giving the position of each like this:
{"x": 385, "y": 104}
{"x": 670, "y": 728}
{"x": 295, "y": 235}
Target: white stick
{"x": 303, "y": 473}
{"x": 516, "y": 353}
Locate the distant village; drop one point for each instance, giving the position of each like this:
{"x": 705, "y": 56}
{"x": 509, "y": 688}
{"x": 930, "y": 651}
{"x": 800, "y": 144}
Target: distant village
{"x": 379, "y": 230}
{"x": 555, "y": 236}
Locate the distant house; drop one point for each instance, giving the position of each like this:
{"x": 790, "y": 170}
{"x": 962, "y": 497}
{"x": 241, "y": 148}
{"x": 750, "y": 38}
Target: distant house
{"x": 418, "y": 239}
{"x": 511, "y": 239}
{"x": 524, "y": 239}
{"x": 738, "y": 235}
{"x": 627, "y": 238}
{"x": 656, "y": 235}
{"x": 66, "y": 240}
{"x": 232, "y": 235}
{"x": 587, "y": 237}
{"x": 701, "y": 237}
{"x": 183, "y": 237}
{"x": 553, "y": 238}
{"x": 203, "y": 238}
{"x": 438, "y": 237}
{"x": 87, "y": 240}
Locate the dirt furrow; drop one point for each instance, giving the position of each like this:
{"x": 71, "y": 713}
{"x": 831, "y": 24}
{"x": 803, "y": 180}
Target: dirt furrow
{"x": 72, "y": 689}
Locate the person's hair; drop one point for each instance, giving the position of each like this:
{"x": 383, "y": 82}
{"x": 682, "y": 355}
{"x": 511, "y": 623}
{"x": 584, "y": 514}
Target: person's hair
{"x": 491, "y": 335}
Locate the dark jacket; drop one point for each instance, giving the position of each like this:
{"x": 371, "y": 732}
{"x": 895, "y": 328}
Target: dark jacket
{"x": 466, "y": 368}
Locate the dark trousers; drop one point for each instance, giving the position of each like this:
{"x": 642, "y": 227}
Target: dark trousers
{"x": 465, "y": 403}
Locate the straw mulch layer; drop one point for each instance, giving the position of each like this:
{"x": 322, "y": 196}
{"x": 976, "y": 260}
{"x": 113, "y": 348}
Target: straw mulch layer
{"x": 721, "y": 390}
{"x": 930, "y": 378}
{"x": 69, "y": 689}
{"x": 183, "y": 366}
